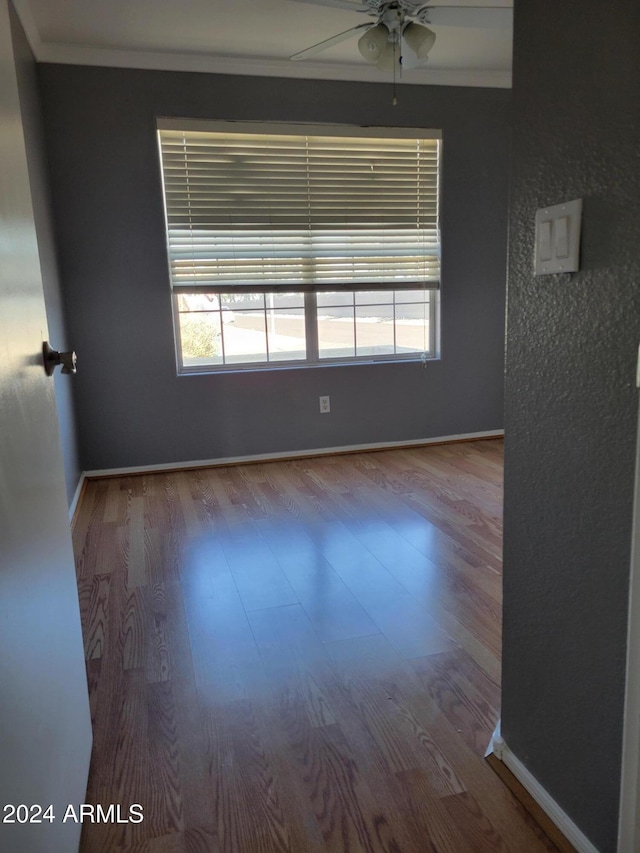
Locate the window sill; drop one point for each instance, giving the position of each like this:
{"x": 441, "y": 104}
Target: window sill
{"x": 301, "y": 365}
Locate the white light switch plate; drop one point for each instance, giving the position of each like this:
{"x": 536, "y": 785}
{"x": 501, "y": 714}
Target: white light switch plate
{"x": 558, "y": 238}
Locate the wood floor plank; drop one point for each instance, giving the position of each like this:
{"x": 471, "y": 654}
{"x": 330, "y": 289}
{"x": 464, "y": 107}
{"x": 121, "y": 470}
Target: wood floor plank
{"x": 299, "y": 657}
{"x": 257, "y": 779}
{"x": 334, "y": 611}
{"x": 233, "y": 817}
{"x": 473, "y": 718}
{"x": 194, "y": 762}
{"x": 87, "y": 525}
{"x": 124, "y": 778}
{"x": 392, "y": 609}
{"x": 158, "y": 654}
{"x": 303, "y": 829}
{"x": 463, "y": 598}
{"x": 344, "y": 807}
{"x": 436, "y": 544}
{"x": 478, "y": 830}
{"x": 94, "y": 667}
{"x": 219, "y": 632}
{"x": 292, "y": 653}
{"x": 164, "y": 756}
{"x": 115, "y": 506}
{"x": 95, "y": 620}
{"x": 134, "y": 628}
{"x": 257, "y": 574}
{"x": 370, "y": 665}
{"x": 191, "y": 516}
{"x": 439, "y": 831}
{"x": 136, "y": 565}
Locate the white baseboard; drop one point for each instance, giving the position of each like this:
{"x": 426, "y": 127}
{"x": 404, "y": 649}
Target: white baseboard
{"x": 76, "y": 496}
{"x": 546, "y": 802}
{"x": 273, "y": 457}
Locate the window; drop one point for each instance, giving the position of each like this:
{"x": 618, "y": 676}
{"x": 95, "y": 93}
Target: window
{"x": 300, "y": 245}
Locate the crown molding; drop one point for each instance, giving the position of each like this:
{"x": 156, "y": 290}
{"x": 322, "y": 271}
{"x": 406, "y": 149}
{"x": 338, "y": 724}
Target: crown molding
{"x": 77, "y": 54}
{"x": 73, "y": 54}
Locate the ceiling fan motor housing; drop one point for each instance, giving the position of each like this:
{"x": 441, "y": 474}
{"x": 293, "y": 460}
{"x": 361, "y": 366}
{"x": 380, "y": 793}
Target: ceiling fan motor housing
{"x": 417, "y": 9}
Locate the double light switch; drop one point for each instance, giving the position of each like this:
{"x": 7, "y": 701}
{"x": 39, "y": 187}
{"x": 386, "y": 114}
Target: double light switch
{"x": 558, "y": 238}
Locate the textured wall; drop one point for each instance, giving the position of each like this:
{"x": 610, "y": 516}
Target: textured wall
{"x": 570, "y": 406}
{"x": 132, "y": 409}
{"x": 39, "y": 182}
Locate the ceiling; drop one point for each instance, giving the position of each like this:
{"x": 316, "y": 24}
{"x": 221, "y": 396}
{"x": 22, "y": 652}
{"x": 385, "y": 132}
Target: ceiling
{"x": 247, "y": 37}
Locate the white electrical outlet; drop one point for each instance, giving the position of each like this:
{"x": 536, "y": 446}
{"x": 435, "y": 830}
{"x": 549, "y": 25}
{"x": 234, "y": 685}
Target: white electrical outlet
{"x": 325, "y": 405}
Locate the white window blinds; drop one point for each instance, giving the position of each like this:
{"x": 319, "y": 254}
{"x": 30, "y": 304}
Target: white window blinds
{"x": 300, "y": 211}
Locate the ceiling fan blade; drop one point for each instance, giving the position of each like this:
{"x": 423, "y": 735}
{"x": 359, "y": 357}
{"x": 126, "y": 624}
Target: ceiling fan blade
{"x": 323, "y": 45}
{"x": 477, "y": 17}
{"x": 352, "y": 5}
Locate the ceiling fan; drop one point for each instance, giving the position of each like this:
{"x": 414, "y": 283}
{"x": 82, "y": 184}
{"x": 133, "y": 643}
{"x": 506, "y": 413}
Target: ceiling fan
{"x": 398, "y": 37}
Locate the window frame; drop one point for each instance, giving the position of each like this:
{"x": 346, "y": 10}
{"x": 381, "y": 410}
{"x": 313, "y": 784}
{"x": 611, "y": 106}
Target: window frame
{"x": 309, "y": 291}
{"x": 313, "y": 358}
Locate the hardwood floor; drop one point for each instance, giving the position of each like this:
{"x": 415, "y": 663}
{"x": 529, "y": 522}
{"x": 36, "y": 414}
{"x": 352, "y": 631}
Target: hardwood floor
{"x": 299, "y": 656}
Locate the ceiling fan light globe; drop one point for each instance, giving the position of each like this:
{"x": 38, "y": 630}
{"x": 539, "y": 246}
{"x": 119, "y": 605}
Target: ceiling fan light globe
{"x": 388, "y": 59}
{"x": 373, "y": 43}
{"x": 420, "y": 39}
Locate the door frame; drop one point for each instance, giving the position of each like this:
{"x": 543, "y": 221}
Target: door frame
{"x": 629, "y": 820}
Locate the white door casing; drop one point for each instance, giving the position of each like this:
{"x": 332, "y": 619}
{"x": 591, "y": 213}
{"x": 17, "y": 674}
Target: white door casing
{"x": 629, "y": 825}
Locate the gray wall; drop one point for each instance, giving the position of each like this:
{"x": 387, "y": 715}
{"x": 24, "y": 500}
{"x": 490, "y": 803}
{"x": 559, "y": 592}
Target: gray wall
{"x": 39, "y": 182}
{"x": 570, "y": 403}
{"x": 132, "y": 408}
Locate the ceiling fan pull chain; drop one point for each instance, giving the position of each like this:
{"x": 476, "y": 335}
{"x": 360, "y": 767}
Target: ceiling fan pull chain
{"x": 394, "y": 100}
